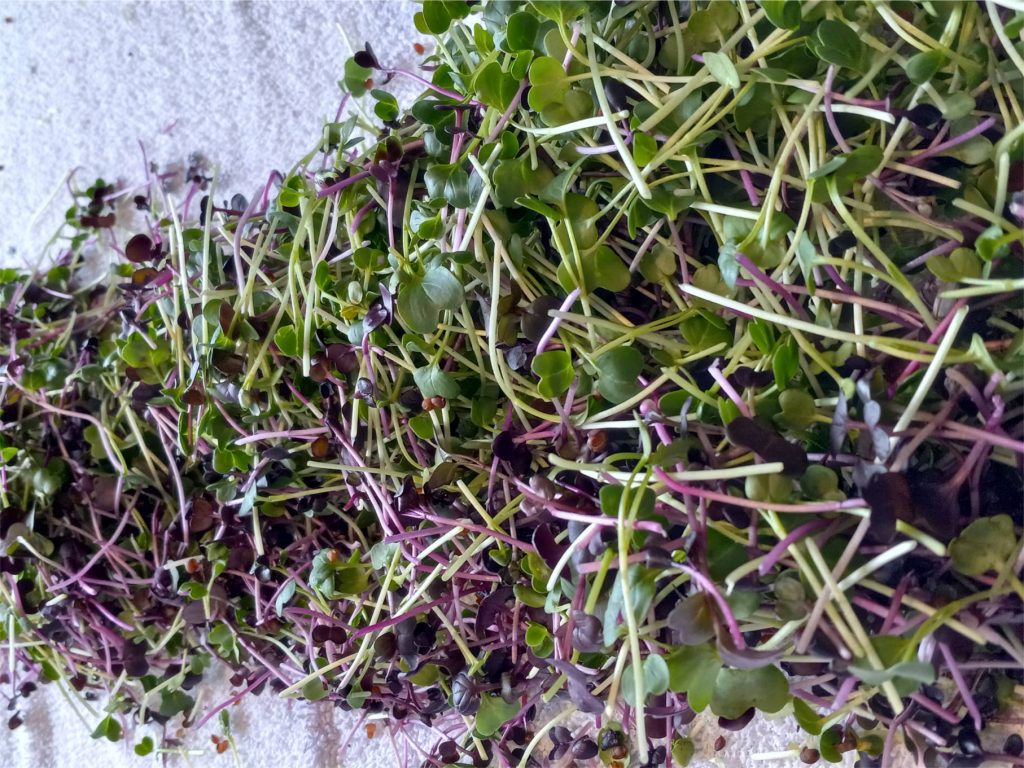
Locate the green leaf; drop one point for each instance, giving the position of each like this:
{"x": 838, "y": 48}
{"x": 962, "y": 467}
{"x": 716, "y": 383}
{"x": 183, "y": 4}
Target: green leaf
{"x": 827, "y": 168}
{"x": 921, "y": 67}
{"x": 422, "y": 298}
{"x": 784, "y": 14}
{"x": 806, "y": 717}
{"x": 494, "y": 712}
{"x": 693, "y": 670}
{"x": 728, "y": 265}
{"x": 991, "y": 245}
{"x": 985, "y": 545}
{"x": 495, "y": 87}
{"x": 432, "y": 381}
{"x": 422, "y": 425}
{"x": 288, "y": 339}
{"x": 386, "y": 107}
{"x": 448, "y": 184}
{"x": 109, "y": 729}
{"x": 175, "y": 702}
{"x": 144, "y": 747}
{"x": 435, "y": 17}
{"x": 355, "y": 77}
{"x": 335, "y": 578}
{"x": 737, "y": 690}
{"x": 785, "y": 363}
{"x": 655, "y": 679}
{"x": 659, "y": 263}
{"x": 722, "y": 69}
{"x": 644, "y": 148}
{"x": 555, "y": 370}
{"x": 838, "y": 44}
{"x": 314, "y": 690}
{"x": 284, "y": 596}
{"x": 683, "y": 750}
{"x": 548, "y": 81}
{"x": 828, "y": 744}
{"x": 521, "y": 31}
{"x": 618, "y": 370}
{"x": 611, "y": 500}
{"x": 798, "y": 409}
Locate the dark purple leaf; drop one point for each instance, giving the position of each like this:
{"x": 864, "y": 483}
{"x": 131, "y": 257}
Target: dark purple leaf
{"x": 490, "y": 607}
{"x": 888, "y": 495}
{"x": 692, "y": 620}
{"x": 579, "y": 690}
{"x": 748, "y": 433}
{"x": 544, "y": 543}
{"x": 587, "y": 632}
{"x": 738, "y": 723}
{"x": 747, "y": 658}
{"x": 366, "y": 58}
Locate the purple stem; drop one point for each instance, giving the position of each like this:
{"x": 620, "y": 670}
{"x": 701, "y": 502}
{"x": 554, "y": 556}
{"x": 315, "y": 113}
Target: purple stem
{"x": 966, "y": 136}
{"x": 555, "y": 322}
{"x": 961, "y": 684}
{"x": 830, "y": 117}
{"x": 436, "y": 88}
{"x": 340, "y": 185}
{"x": 748, "y": 180}
{"x": 776, "y": 552}
{"x": 780, "y": 289}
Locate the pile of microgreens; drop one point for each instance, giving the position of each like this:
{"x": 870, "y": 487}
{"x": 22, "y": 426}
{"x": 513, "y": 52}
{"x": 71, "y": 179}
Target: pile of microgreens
{"x": 663, "y": 356}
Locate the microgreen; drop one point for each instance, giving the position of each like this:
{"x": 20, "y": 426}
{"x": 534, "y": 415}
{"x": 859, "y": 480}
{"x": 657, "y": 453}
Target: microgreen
{"x": 658, "y": 357}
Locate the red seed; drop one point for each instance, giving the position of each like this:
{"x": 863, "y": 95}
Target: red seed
{"x": 719, "y": 743}
{"x": 418, "y": 47}
{"x": 368, "y": 83}
{"x": 426, "y": 405}
{"x": 438, "y": 402}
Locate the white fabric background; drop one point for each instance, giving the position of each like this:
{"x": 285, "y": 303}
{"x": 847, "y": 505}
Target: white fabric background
{"x": 247, "y": 84}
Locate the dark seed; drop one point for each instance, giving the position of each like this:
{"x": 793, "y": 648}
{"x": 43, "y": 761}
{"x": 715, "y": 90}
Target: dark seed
{"x": 969, "y": 742}
{"x": 809, "y": 755}
{"x": 1014, "y": 745}
{"x": 584, "y": 749}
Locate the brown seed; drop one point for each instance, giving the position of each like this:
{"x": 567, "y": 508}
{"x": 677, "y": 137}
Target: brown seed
{"x": 597, "y": 440}
{"x": 368, "y": 83}
{"x": 222, "y": 747}
{"x": 809, "y": 755}
{"x": 438, "y": 402}
{"x": 139, "y": 249}
{"x": 144, "y": 276}
{"x": 332, "y": 555}
{"x": 192, "y": 566}
{"x": 371, "y": 730}
{"x": 418, "y": 47}
{"x": 426, "y": 405}
{"x": 320, "y": 448}
{"x": 719, "y": 743}
{"x": 318, "y": 370}
{"x": 618, "y": 752}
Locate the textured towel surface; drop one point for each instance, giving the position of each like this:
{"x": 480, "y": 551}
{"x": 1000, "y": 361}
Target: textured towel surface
{"x": 246, "y": 84}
